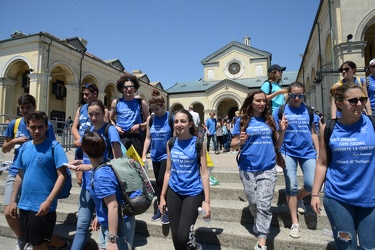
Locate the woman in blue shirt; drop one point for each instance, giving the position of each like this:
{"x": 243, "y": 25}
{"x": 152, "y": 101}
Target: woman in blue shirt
{"x": 349, "y": 190}
{"x": 186, "y": 184}
{"x": 300, "y": 147}
{"x": 157, "y": 135}
{"x": 96, "y": 113}
{"x": 255, "y": 133}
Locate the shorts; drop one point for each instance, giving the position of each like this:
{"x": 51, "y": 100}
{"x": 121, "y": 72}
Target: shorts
{"x": 8, "y": 192}
{"x": 37, "y": 229}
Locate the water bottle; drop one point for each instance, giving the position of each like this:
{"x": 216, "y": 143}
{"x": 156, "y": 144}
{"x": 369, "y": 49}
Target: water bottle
{"x": 202, "y": 213}
{"x": 146, "y": 163}
{"x": 327, "y": 232}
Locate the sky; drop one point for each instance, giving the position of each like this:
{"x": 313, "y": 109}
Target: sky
{"x": 167, "y": 39}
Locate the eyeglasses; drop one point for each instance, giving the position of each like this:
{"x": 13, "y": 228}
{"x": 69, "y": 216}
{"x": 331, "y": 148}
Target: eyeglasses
{"x": 344, "y": 69}
{"x": 128, "y": 87}
{"x": 372, "y": 66}
{"x": 354, "y": 101}
{"x": 294, "y": 96}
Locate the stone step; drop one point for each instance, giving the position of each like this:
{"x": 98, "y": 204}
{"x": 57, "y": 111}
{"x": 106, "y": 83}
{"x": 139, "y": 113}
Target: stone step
{"x": 216, "y": 234}
{"x": 222, "y": 210}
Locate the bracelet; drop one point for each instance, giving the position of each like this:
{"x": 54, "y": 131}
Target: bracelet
{"x": 206, "y": 202}
{"x": 314, "y": 195}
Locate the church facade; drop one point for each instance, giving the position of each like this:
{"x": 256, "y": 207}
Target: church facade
{"x": 229, "y": 74}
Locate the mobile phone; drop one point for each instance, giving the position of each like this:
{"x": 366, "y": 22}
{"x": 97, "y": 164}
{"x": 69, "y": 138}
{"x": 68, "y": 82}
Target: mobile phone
{"x": 69, "y": 165}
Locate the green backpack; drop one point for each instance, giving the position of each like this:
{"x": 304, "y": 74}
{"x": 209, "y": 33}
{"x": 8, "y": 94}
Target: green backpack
{"x": 136, "y": 189}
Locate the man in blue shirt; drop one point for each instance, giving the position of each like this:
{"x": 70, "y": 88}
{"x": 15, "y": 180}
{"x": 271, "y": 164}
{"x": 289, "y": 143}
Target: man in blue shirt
{"x": 210, "y": 125}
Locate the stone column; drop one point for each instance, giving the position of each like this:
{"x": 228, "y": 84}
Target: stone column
{"x": 40, "y": 90}
{"x": 72, "y": 100}
{"x": 8, "y": 97}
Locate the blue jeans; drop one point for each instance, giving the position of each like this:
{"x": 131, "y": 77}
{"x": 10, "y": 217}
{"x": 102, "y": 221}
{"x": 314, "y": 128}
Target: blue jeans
{"x": 122, "y": 234}
{"x": 85, "y": 212}
{"x": 346, "y": 220}
{"x": 290, "y": 174}
{"x": 214, "y": 139}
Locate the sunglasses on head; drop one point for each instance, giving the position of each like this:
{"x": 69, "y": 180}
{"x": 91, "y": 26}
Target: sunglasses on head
{"x": 294, "y": 96}
{"x": 354, "y": 101}
{"x": 344, "y": 69}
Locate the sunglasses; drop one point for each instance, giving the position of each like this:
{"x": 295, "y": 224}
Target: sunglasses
{"x": 372, "y": 66}
{"x": 344, "y": 69}
{"x": 354, "y": 101}
{"x": 294, "y": 96}
{"x": 128, "y": 87}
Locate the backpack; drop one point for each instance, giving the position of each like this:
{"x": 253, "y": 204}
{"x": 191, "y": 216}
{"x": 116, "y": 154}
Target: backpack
{"x": 136, "y": 189}
{"x": 225, "y": 130}
{"x": 65, "y": 190}
{"x": 170, "y": 121}
{"x": 330, "y": 125}
{"x": 198, "y": 146}
{"x": 309, "y": 109}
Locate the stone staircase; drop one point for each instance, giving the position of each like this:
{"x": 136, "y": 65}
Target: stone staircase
{"x": 230, "y": 227}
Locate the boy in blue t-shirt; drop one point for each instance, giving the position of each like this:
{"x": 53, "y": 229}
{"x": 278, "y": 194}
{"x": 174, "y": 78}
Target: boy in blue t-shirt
{"x": 41, "y": 175}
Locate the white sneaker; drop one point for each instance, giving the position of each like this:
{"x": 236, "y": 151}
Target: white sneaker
{"x": 294, "y": 231}
{"x": 301, "y": 207}
{"x": 28, "y": 246}
{"x": 279, "y": 169}
{"x": 260, "y": 248}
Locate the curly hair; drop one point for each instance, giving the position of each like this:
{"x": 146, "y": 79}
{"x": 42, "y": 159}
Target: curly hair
{"x": 125, "y": 78}
{"x": 247, "y": 113}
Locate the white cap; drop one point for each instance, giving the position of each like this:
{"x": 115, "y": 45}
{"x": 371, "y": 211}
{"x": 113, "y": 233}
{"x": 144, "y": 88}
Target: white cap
{"x": 372, "y": 61}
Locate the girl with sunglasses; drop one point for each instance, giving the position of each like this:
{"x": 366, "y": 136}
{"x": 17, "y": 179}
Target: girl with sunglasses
{"x": 347, "y": 166}
{"x": 300, "y": 147}
{"x": 348, "y": 70}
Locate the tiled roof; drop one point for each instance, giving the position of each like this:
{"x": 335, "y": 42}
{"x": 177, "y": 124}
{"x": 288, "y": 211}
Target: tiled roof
{"x": 201, "y": 86}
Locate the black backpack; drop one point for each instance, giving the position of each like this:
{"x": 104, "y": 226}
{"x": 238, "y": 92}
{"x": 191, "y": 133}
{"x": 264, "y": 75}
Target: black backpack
{"x": 170, "y": 121}
{"x": 309, "y": 109}
{"x": 198, "y": 146}
{"x": 330, "y": 125}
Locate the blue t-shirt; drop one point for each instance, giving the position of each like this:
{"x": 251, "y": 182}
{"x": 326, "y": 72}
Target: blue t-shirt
{"x": 371, "y": 91}
{"x": 258, "y": 152}
{"x": 113, "y": 138}
{"x": 83, "y": 119}
{"x": 211, "y": 125}
{"x": 22, "y": 131}
{"x": 278, "y": 100}
{"x": 128, "y": 114}
{"x": 297, "y": 139}
{"x": 316, "y": 123}
{"x": 185, "y": 176}
{"x": 160, "y": 132}
{"x": 351, "y": 172}
{"x": 104, "y": 184}
{"x": 39, "y": 165}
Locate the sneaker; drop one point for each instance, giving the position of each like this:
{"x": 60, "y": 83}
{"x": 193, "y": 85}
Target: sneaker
{"x": 213, "y": 181}
{"x": 257, "y": 247}
{"x": 301, "y": 207}
{"x": 165, "y": 219}
{"x": 28, "y": 246}
{"x": 217, "y": 152}
{"x": 279, "y": 169}
{"x": 19, "y": 245}
{"x": 157, "y": 216}
{"x": 294, "y": 231}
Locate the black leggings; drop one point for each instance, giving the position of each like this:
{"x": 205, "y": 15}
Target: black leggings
{"x": 129, "y": 139}
{"x": 183, "y": 213}
{"x": 159, "y": 171}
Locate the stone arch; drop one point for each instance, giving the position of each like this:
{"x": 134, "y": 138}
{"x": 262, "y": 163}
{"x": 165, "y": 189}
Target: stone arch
{"x": 110, "y": 93}
{"x": 59, "y": 68}
{"x": 225, "y": 95}
{"x": 14, "y": 61}
{"x": 365, "y": 32}
{"x": 91, "y": 78}
{"x": 175, "y": 107}
{"x": 199, "y": 108}
{"x": 328, "y": 59}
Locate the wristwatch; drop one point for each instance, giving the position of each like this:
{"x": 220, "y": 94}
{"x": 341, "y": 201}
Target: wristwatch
{"x": 112, "y": 238}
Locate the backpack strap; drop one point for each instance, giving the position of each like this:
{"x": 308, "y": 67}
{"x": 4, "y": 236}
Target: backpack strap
{"x": 311, "y": 114}
{"x": 108, "y": 142}
{"x": 16, "y": 125}
{"x": 327, "y": 135}
{"x": 280, "y": 112}
{"x": 270, "y": 87}
{"x": 139, "y": 100}
{"x": 171, "y": 121}
{"x": 171, "y": 142}
{"x": 309, "y": 109}
{"x": 151, "y": 121}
